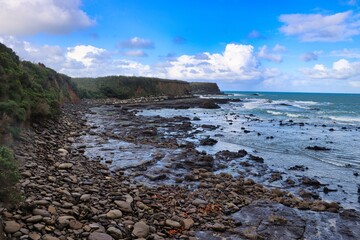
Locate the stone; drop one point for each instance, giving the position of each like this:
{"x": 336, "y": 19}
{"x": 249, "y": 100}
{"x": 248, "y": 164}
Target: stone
{"x": 100, "y": 236}
{"x": 49, "y": 237}
{"x": 11, "y": 227}
{"x": 188, "y": 223}
{"x": 141, "y": 230}
{"x": 85, "y": 197}
{"x": 39, "y": 226}
{"x": 116, "y": 233}
{"x": 34, "y": 219}
{"x": 64, "y": 166}
{"x": 218, "y": 227}
{"x": 63, "y": 152}
{"x": 124, "y": 206}
{"x": 41, "y": 212}
{"x": 73, "y": 224}
{"x": 65, "y": 220}
{"x": 114, "y": 214}
{"x": 34, "y": 236}
{"x": 198, "y": 202}
{"x": 172, "y": 223}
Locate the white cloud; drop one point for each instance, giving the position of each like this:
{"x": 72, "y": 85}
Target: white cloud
{"x": 237, "y": 62}
{"x": 135, "y": 53}
{"x": 137, "y": 42}
{"x": 271, "y": 55}
{"x": 23, "y": 17}
{"x": 341, "y": 69}
{"x": 347, "y": 53}
{"x": 321, "y": 28}
{"x": 86, "y": 55}
{"x": 310, "y": 56}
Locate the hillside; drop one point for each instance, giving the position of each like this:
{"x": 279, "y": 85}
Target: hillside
{"x": 123, "y": 87}
{"x": 29, "y": 92}
{"x": 204, "y": 88}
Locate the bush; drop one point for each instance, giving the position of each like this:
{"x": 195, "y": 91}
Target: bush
{"x": 9, "y": 176}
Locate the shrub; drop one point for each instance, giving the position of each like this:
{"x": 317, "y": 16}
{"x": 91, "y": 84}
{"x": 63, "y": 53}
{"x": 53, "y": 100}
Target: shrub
{"x": 9, "y": 176}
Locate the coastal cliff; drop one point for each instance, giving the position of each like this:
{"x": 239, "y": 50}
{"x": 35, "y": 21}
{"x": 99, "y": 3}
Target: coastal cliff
{"x": 202, "y": 88}
{"x": 124, "y": 87}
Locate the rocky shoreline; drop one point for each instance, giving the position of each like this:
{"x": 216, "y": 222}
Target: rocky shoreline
{"x": 68, "y": 196}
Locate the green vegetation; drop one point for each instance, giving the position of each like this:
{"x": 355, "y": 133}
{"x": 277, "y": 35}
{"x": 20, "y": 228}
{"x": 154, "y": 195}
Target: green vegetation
{"x": 123, "y": 87}
{"x": 29, "y": 92}
{"x": 9, "y": 176}
{"x": 204, "y": 88}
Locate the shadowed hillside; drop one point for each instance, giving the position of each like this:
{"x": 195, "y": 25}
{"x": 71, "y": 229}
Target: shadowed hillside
{"x": 29, "y": 92}
{"x": 123, "y": 87}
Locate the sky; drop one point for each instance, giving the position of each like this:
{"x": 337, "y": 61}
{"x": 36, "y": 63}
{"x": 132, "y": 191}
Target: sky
{"x": 258, "y": 45}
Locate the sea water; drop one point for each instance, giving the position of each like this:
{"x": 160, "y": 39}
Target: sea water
{"x": 280, "y": 126}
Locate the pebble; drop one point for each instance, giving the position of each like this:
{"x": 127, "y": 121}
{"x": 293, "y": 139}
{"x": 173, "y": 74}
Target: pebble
{"x": 99, "y": 236}
{"x": 114, "y": 214}
{"x": 11, "y": 226}
{"x": 141, "y": 230}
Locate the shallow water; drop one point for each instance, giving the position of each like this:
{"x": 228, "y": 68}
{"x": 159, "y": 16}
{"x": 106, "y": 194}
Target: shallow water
{"x": 279, "y": 127}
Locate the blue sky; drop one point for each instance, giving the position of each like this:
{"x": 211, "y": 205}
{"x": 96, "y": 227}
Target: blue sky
{"x": 310, "y": 46}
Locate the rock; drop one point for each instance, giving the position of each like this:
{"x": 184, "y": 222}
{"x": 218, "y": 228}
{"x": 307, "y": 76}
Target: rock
{"x": 34, "y": 219}
{"x": 39, "y": 226}
{"x": 198, "y": 202}
{"x": 256, "y": 158}
{"x": 298, "y": 168}
{"x": 64, "y": 166}
{"x": 188, "y": 223}
{"x": 41, "y": 212}
{"x": 63, "y": 152}
{"x": 172, "y": 223}
{"x": 317, "y": 148}
{"x": 114, "y": 214}
{"x": 49, "y": 237}
{"x": 99, "y": 236}
{"x": 116, "y": 233}
{"x": 34, "y": 236}
{"x": 85, "y": 197}
{"x": 11, "y": 227}
{"x": 208, "y": 142}
{"x": 73, "y": 224}
{"x": 157, "y": 177}
{"x": 141, "y": 230}
{"x": 124, "y": 206}
{"x": 218, "y": 227}
{"x": 65, "y": 220}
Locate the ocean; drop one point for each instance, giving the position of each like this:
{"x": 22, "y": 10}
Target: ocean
{"x": 284, "y": 129}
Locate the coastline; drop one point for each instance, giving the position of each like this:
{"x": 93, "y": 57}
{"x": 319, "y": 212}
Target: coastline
{"x": 68, "y": 195}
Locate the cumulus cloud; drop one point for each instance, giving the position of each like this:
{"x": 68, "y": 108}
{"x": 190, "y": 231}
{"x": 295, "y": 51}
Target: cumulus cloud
{"x": 347, "y": 53}
{"x": 137, "y": 42}
{"x": 23, "y": 17}
{"x": 309, "y": 56}
{"x": 341, "y": 69}
{"x": 237, "y": 62}
{"x": 271, "y": 54}
{"x": 321, "y": 28}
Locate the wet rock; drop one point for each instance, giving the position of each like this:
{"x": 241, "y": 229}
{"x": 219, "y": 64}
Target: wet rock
{"x": 157, "y": 177}
{"x": 218, "y": 227}
{"x": 209, "y": 104}
{"x": 317, "y": 148}
{"x": 298, "y": 168}
{"x": 226, "y": 155}
{"x": 275, "y": 177}
{"x": 208, "y": 142}
{"x": 141, "y": 230}
{"x": 11, "y": 226}
{"x": 100, "y": 236}
{"x": 310, "y": 181}
{"x": 256, "y": 158}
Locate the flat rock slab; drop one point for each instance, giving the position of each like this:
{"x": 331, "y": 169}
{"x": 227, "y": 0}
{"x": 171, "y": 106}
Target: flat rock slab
{"x": 276, "y": 221}
{"x": 266, "y": 220}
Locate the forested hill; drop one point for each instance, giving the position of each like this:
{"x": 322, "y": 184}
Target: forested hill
{"x": 123, "y": 87}
{"x": 28, "y": 91}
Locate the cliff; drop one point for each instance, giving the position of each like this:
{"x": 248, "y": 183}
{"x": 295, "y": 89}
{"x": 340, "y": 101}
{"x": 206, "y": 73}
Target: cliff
{"x": 202, "y": 88}
{"x": 124, "y": 87}
{"x": 29, "y": 92}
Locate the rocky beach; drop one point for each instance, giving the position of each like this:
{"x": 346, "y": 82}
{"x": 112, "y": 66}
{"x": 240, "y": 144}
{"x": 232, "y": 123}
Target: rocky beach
{"x": 74, "y": 187}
